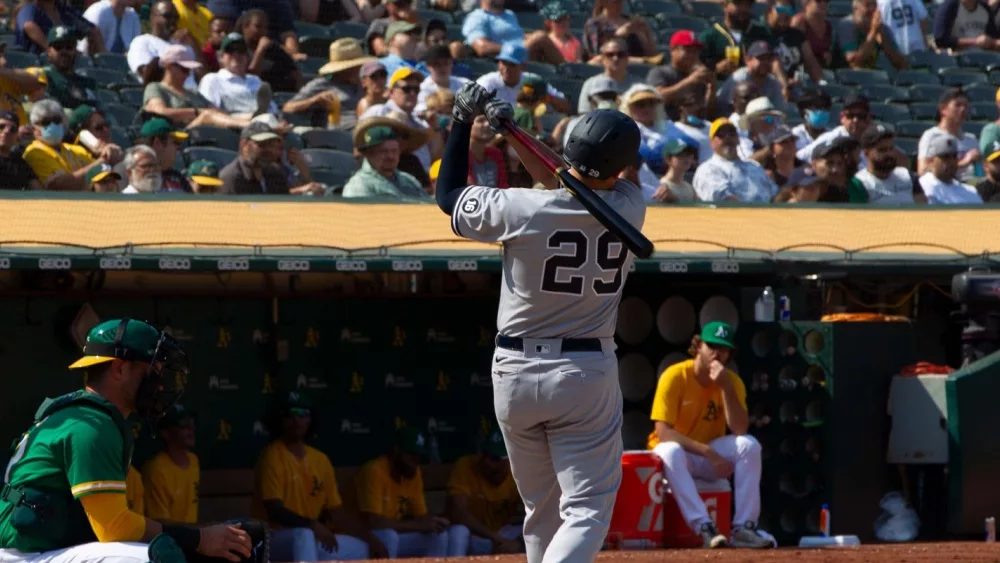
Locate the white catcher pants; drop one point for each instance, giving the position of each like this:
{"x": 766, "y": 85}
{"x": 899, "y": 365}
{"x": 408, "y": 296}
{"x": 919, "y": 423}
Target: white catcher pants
{"x": 681, "y": 467}
{"x": 111, "y": 552}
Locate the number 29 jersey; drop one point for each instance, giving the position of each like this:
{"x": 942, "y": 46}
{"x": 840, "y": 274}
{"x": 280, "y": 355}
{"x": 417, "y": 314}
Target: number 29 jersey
{"x": 563, "y": 271}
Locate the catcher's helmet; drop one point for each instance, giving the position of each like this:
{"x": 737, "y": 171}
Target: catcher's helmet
{"x": 602, "y": 144}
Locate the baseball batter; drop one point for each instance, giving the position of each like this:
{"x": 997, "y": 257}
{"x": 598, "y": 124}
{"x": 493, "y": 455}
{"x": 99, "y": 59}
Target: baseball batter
{"x": 555, "y": 374}
{"x": 695, "y": 401}
{"x": 64, "y": 493}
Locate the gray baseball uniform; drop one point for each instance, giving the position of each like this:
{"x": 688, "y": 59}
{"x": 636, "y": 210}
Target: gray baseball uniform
{"x": 560, "y": 412}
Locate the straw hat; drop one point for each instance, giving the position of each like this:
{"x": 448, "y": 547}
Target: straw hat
{"x": 410, "y": 138}
{"x": 345, "y": 53}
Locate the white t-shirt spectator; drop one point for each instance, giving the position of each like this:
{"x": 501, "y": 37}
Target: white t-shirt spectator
{"x": 428, "y": 87}
{"x": 902, "y": 18}
{"x": 493, "y": 82}
{"x": 806, "y": 152}
{"x": 231, "y": 93}
{"x": 101, "y": 15}
{"x": 145, "y": 48}
{"x": 718, "y": 178}
{"x": 938, "y": 192}
{"x": 966, "y": 142}
{"x": 897, "y": 188}
{"x": 699, "y": 134}
{"x": 802, "y": 137}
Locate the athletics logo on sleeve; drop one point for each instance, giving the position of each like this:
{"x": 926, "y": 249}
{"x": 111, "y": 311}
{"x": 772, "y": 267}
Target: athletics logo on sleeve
{"x": 471, "y": 205}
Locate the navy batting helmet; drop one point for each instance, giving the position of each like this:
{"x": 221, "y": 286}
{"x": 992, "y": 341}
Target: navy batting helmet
{"x": 602, "y": 144}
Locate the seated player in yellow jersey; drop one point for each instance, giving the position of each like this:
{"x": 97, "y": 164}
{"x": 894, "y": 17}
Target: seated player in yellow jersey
{"x": 295, "y": 491}
{"x": 695, "y": 401}
{"x": 171, "y": 476}
{"x": 134, "y": 492}
{"x": 391, "y": 497}
{"x": 483, "y": 503}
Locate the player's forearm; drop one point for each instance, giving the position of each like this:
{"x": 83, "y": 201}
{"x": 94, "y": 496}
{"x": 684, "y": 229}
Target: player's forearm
{"x": 462, "y": 516}
{"x": 668, "y": 434}
{"x": 736, "y": 415}
{"x": 453, "y": 177}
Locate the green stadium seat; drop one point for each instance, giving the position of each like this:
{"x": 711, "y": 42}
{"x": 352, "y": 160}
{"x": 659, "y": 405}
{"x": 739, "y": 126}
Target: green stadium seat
{"x": 960, "y": 77}
{"x": 978, "y": 59}
{"x": 974, "y": 127}
{"x": 927, "y": 91}
{"x": 984, "y": 111}
{"x": 120, "y": 137}
{"x": 317, "y": 46}
{"x": 112, "y": 61}
{"x": 305, "y": 28}
{"x": 911, "y": 77}
{"x": 579, "y": 70}
{"x": 427, "y": 15}
{"x": 853, "y": 77}
{"x": 219, "y": 156}
{"x": 328, "y": 139}
{"x": 924, "y": 110}
{"x": 330, "y": 159}
{"x": 980, "y": 92}
{"x": 838, "y": 91}
{"x": 940, "y": 61}
{"x": 531, "y": 21}
{"x": 706, "y": 9}
{"x": 348, "y": 29}
{"x": 913, "y": 129}
{"x": 544, "y": 70}
{"x": 885, "y": 93}
{"x": 21, "y": 59}
{"x": 131, "y": 96}
{"x": 994, "y": 77}
{"x": 107, "y": 96}
{"x": 120, "y": 114}
{"x": 890, "y": 113}
{"x": 682, "y": 22}
{"x": 205, "y": 135}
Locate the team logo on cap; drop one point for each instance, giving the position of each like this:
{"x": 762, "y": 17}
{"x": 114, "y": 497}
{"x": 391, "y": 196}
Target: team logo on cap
{"x": 721, "y": 332}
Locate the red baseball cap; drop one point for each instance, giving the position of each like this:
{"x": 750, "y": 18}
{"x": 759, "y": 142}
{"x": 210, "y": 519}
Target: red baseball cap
{"x": 684, "y": 38}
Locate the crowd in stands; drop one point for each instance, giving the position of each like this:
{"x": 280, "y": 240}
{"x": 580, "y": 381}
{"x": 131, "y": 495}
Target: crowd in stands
{"x": 877, "y": 101}
{"x": 296, "y": 491}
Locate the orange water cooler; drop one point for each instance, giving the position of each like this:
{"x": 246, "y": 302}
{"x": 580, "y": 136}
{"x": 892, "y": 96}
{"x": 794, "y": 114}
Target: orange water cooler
{"x": 645, "y": 514}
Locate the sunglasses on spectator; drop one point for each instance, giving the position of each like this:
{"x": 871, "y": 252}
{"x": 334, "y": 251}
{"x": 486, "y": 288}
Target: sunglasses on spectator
{"x": 7, "y": 127}
{"x": 856, "y": 115}
{"x": 409, "y": 89}
{"x": 615, "y": 54}
{"x": 378, "y": 75}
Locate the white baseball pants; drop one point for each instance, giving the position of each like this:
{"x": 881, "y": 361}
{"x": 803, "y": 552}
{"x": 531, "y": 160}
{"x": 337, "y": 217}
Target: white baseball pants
{"x": 680, "y": 468}
{"x": 299, "y": 544}
{"x": 95, "y": 552}
{"x": 413, "y": 544}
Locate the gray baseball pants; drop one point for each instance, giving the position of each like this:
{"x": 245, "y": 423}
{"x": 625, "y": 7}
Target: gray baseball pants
{"x": 561, "y": 418}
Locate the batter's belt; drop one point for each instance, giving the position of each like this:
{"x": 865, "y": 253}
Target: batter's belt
{"x": 568, "y": 344}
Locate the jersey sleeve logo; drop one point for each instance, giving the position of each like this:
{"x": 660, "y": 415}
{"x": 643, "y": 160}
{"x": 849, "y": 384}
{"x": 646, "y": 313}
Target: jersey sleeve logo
{"x": 470, "y": 205}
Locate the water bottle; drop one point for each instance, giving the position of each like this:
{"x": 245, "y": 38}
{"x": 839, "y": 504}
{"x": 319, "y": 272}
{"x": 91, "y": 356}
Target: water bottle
{"x": 763, "y": 310}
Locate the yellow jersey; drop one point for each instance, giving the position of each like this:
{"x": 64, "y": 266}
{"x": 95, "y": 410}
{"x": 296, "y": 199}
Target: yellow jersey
{"x": 695, "y": 411}
{"x": 134, "y": 492}
{"x": 12, "y": 97}
{"x": 306, "y": 486}
{"x": 46, "y": 161}
{"x": 196, "y": 21}
{"x": 494, "y": 506}
{"x": 172, "y": 491}
{"x": 379, "y": 494}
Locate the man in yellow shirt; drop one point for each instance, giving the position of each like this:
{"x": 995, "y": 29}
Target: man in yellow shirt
{"x": 195, "y": 19}
{"x": 391, "y": 497}
{"x": 171, "y": 477}
{"x": 295, "y": 491}
{"x": 695, "y": 401}
{"x": 483, "y": 503}
{"x": 134, "y": 492}
{"x": 59, "y": 165}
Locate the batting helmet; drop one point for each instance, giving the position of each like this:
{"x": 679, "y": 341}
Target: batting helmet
{"x": 602, "y": 144}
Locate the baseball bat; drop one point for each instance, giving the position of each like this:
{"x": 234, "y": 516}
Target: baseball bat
{"x": 631, "y": 237}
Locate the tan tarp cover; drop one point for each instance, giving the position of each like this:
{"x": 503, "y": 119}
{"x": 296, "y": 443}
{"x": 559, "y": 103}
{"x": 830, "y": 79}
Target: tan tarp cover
{"x": 98, "y": 223}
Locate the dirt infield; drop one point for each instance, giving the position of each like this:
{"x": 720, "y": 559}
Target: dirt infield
{"x": 965, "y": 552}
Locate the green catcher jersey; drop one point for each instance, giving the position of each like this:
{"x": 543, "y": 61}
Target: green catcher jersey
{"x": 76, "y": 451}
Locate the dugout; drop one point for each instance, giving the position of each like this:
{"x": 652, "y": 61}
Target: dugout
{"x": 384, "y": 317}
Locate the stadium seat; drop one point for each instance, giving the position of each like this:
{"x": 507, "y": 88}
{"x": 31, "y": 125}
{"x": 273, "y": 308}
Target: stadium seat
{"x": 927, "y": 92}
{"x": 924, "y": 110}
{"x": 427, "y": 15}
{"x": 578, "y": 19}
{"x": 908, "y": 146}
{"x": 120, "y": 115}
{"x": 707, "y": 10}
{"x": 959, "y": 77}
{"x": 205, "y": 135}
{"x": 682, "y": 22}
{"x": 853, "y": 77}
{"x": 984, "y": 111}
{"x": 980, "y": 92}
{"x": 220, "y": 157}
{"x": 640, "y": 70}
{"x": 107, "y": 76}
{"x": 939, "y": 61}
{"x": 531, "y": 21}
{"x": 651, "y": 8}
{"x": 313, "y": 64}
{"x": 330, "y": 159}
{"x": 978, "y": 59}
{"x": 890, "y": 113}
{"x": 758, "y": 10}
{"x": 579, "y": 70}
{"x": 885, "y": 93}
{"x": 306, "y": 28}
{"x": 348, "y": 29}
{"x": 911, "y": 77}
{"x": 107, "y": 96}
{"x": 838, "y": 91}
{"x": 569, "y": 87}
{"x": 316, "y": 46}
{"x": 838, "y": 9}
{"x": 994, "y": 77}
{"x": 334, "y": 179}
{"x": 455, "y": 33}
{"x": 131, "y": 96}
{"x": 21, "y": 59}
{"x": 479, "y": 67}
{"x": 112, "y": 61}
{"x": 913, "y": 129}
{"x": 544, "y": 70}
{"x": 328, "y": 139}
{"x": 974, "y": 127}
{"x": 120, "y": 137}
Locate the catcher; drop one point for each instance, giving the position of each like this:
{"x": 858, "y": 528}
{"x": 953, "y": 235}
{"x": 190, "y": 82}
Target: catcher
{"x": 63, "y": 499}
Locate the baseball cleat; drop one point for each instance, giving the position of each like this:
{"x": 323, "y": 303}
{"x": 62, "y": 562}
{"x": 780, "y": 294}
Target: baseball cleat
{"x": 748, "y": 537}
{"x": 711, "y": 538}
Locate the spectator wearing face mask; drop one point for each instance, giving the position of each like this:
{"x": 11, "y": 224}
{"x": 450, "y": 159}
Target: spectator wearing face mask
{"x": 692, "y": 123}
{"x": 814, "y": 106}
{"x": 56, "y": 164}
{"x": 759, "y": 121}
{"x": 882, "y": 181}
{"x": 940, "y": 182}
{"x": 855, "y": 119}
